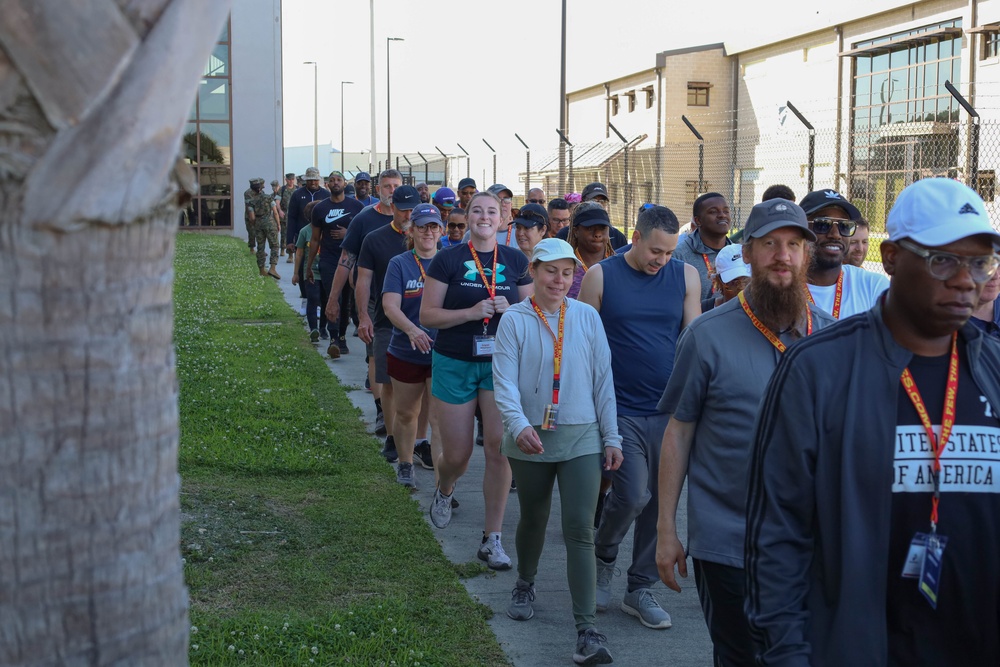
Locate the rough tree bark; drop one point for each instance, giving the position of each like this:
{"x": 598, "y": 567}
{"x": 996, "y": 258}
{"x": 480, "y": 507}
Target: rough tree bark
{"x": 94, "y": 95}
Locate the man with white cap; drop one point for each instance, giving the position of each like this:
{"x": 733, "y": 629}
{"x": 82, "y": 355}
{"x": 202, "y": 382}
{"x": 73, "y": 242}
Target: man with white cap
{"x": 723, "y": 363}
{"x": 874, "y": 481}
{"x": 834, "y": 284}
{"x": 731, "y": 275}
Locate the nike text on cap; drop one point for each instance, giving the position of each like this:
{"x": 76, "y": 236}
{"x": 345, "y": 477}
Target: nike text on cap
{"x": 938, "y": 211}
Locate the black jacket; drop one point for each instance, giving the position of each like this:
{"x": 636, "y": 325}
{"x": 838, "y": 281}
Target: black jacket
{"x": 820, "y": 495}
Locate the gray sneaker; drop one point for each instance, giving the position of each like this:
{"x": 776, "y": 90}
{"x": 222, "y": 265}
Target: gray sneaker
{"x": 641, "y": 604}
{"x": 521, "y": 598}
{"x": 404, "y": 475}
{"x": 440, "y": 509}
{"x": 492, "y": 552}
{"x": 605, "y": 572}
{"x": 591, "y": 649}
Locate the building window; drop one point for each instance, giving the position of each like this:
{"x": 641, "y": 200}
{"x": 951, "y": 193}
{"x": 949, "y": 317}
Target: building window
{"x": 903, "y": 117}
{"x": 649, "y": 96}
{"x": 698, "y": 93}
{"x": 614, "y": 105}
{"x": 991, "y": 42}
{"x": 631, "y": 100}
{"x": 207, "y": 143}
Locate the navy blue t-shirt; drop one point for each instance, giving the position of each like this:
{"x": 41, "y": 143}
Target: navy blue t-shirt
{"x": 642, "y": 317}
{"x": 455, "y": 268}
{"x": 964, "y": 628}
{"x": 329, "y": 215}
{"x": 365, "y": 222}
{"x": 403, "y": 278}
{"x": 377, "y": 249}
{"x": 294, "y": 220}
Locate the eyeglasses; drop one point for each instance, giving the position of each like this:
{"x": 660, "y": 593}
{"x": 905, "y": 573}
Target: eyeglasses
{"x": 824, "y": 225}
{"x": 536, "y": 201}
{"x": 505, "y": 200}
{"x": 456, "y": 225}
{"x": 945, "y": 265}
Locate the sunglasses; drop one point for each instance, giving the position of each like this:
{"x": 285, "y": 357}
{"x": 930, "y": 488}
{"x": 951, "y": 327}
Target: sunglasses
{"x": 824, "y": 225}
{"x": 456, "y": 225}
{"x": 536, "y": 201}
{"x": 944, "y": 265}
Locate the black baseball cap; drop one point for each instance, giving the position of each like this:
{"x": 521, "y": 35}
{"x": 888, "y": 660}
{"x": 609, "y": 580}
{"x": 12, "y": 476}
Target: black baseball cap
{"x": 405, "y": 198}
{"x": 467, "y": 182}
{"x": 532, "y": 215}
{"x": 592, "y": 217}
{"x": 595, "y": 190}
{"x": 820, "y": 199}
{"x": 773, "y": 214}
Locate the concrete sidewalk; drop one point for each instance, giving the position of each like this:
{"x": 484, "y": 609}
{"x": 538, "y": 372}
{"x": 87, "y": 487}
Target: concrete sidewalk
{"x": 549, "y": 638}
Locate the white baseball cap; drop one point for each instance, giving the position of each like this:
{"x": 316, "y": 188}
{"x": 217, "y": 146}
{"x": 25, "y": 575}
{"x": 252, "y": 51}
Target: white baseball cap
{"x": 938, "y": 211}
{"x": 549, "y": 250}
{"x": 729, "y": 263}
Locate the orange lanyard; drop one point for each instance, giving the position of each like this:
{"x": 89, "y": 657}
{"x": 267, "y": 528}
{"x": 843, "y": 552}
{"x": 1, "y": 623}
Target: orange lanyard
{"x": 947, "y": 419}
{"x": 557, "y": 345}
{"x": 392, "y": 223}
{"x": 491, "y": 288}
{"x": 585, "y": 267}
{"x": 510, "y": 228}
{"x": 837, "y": 296}
{"x": 710, "y": 270}
{"x": 775, "y": 341}
{"x": 423, "y": 276}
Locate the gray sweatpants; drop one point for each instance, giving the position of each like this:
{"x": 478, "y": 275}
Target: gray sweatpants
{"x": 633, "y": 497}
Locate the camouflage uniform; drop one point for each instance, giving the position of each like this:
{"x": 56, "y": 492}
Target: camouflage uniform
{"x": 286, "y": 196}
{"x": 266, "y": 227}
{"x": 251, "y": 234}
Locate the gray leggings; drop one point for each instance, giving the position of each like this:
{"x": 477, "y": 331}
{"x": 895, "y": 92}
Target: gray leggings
{"x": 579, "y": 483}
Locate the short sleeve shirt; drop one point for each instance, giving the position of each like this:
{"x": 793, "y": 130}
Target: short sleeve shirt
{"x": 302, "y": 243}
{"x": 366, "y": 221}
{"x": 329, "y": 215}
{"x": 403, "y": 277}
{"x": 456, "y": 268}
{"x": 378, "y": 248}
{"x": 860, "y": 292}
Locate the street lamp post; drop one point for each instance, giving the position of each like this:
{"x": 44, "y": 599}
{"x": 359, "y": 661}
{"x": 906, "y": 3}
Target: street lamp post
{"x": 315, "y": 111}
{"x": 342, "y": 83}
{"x": 388, "y": 102}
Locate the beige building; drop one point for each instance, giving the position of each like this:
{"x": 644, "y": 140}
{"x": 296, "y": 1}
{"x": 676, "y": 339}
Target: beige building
{"x": 870, "y": 85}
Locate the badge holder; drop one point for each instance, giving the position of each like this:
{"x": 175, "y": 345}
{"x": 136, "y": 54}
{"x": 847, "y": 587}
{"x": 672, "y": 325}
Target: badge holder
{"x": 485, "y": 345}
{"x": 551, "y": 417}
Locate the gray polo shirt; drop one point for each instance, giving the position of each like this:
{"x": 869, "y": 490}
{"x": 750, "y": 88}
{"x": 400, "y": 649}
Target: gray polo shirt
{"x": 721, "y": 369}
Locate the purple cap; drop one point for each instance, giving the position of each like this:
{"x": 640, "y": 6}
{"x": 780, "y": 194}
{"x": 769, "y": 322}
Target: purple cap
{"x": 444, "y": 197}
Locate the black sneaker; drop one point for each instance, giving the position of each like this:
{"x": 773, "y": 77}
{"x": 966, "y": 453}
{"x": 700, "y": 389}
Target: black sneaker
{"x": 342, "y": 343}
{"x": 422, "y": 452}
{"x": 513, "y": 484}
{"x": 389, "y": 450}
{"x": 479, "y": 433}
{"x": 380, "y": 424}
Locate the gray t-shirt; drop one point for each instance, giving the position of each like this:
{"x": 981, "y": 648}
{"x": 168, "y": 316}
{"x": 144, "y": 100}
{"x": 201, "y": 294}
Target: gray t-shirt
{"x": 692, "y": 250}
{"x": 721, "y": 369}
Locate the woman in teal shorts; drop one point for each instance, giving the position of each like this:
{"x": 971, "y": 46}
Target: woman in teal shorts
{"x": 468, "y": 288}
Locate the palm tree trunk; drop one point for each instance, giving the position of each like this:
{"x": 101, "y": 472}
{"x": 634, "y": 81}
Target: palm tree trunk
{"x": 93, "y": 98}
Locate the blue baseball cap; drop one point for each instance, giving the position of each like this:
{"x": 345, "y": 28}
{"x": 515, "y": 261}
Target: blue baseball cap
{"x": 466, "y": 183}
{"x": 362, "y": 176}
{"x": 444, "y": 197}
{"x": 405, "y": 198}
{"x": 424, "y": 214}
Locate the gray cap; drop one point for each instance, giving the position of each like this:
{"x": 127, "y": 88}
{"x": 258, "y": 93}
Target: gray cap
{"x": 498, "y": 188}
{"x": 275, "y": 182}
{"x": 775, "y": 214}
{"x": 312, "y": 174}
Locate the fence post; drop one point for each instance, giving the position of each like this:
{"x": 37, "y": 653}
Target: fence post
{"x": 468, "y": 165}
{"x": 527, "y": 165}
{"x": 494, "y": 160}
{"x": 701, "y": 154}
{"x": 812, "y": 142}
{"x": 409, "y": 170}
{"x": 444, "y": 179}
{"x": 627, "y": 181}
{"x": 427, "y": 167}
{"x": 973, "y": 135}
{"x": 566, "y": 142}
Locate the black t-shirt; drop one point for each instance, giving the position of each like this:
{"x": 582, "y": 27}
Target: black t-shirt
{"x": 329, "y": 215}
{"x": 455, "y": 267}
{"x": 364, "y": 223}
{"x": 965, "y": 628}
{"x": 377, "y": 249}
{"x": 617, "y": 238}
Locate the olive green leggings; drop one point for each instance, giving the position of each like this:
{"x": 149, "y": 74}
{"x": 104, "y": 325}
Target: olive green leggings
{"x": 579, "y": 483}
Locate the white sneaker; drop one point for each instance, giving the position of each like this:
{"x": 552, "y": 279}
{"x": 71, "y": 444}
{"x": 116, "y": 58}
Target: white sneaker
{"x": 492, "y": 552}
{"x": 302, "y": 309}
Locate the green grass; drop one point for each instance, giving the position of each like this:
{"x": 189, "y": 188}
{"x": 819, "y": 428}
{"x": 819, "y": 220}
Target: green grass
{"x": 299, "y": 546}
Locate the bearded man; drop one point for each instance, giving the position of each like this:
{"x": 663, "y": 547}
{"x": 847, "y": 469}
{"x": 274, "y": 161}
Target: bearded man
{"x": 723, "y": 363}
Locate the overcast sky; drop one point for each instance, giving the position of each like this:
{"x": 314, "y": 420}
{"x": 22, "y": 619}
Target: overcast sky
{"x": 469, "y": 70}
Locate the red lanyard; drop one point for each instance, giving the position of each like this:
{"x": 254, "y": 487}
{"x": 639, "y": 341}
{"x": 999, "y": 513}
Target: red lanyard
{"x": 557, "y": 345}
{"x": 837, "y": 296}
{"x": 947, "y": 419}
{"x": 775, "y": 341}
{"x": 491, "y": 288}
{"x": 710, "y": 270}
{"x": 423, "y": 276}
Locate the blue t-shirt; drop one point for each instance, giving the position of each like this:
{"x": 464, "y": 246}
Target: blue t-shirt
{"x": 455, "y": 268}
{"x": 642, "y": 317}
{"x": 403, "y": 277}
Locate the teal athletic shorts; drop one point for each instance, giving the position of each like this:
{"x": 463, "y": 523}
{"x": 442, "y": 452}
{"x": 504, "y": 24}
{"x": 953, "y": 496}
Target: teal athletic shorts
{"x": 457, "y": 382}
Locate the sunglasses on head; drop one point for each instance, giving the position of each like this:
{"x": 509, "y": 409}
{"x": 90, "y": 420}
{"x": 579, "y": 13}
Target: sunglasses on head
{"x": 824, "y": 225}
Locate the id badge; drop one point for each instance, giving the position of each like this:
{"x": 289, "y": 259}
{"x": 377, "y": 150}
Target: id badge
{"x": 915, "y": 556}
{"x": 550, "y": 418}
{"x": 930, "y": 570}
{"x": 483, "y": 346}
